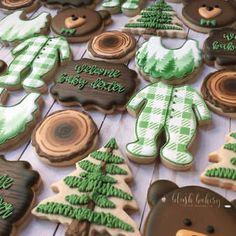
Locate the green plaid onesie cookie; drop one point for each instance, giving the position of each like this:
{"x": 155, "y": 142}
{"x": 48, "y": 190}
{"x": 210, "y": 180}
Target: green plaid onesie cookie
{"x": 167, "y": 117}
{"x": 35, "y": 59}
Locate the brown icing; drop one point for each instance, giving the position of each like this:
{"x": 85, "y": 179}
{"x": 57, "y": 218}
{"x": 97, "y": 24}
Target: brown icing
{"x": 19, "y": 192}
{"x": 220, "y": 48}
{"x": 15, "y": 4}
{"x": 81, "y": 32}
{"x": 219, "y": 88}
{"x": 223, "y": 12}
{"x": 64, "y": 135}
{"x": 188, "y": 211}
{"x": 69, "y": 3}
{"x": 112, "y": 45}
{"x": 95, "y": 84}
{"x": 3, "y": 67}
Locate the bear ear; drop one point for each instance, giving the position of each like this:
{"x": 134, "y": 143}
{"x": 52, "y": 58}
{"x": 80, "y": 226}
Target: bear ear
{"x": 106, "y": 16}
{"x": 234, "y": 203}
{"x": 158, "y": 189}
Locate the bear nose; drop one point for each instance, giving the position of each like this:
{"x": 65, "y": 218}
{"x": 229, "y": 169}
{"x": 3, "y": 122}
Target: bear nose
{"x": 184, "y": 232}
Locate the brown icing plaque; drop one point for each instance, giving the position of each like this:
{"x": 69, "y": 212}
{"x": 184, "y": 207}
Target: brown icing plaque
{"x": 113, "y": 46}
{"x": 188, "y": 211}
{"x": 204, "y": 15}
{"x": 64, "y": 137}
{"x": 12, "y": 5}
{"x": 95, "y": 84}
{"x": 219, "y": 89}
{"x": 18, "y": 184}
{"x": 80, "y": 24}
{"x": 68, "y": 3}
{"x": 3, "y": 66}
{"x": 220, "y": 48}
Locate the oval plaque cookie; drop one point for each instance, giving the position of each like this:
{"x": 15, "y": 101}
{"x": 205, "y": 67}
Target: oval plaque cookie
{"x": 64, "y": 137}
{"x": 112, "y": 46}
{"x": 219, "y": 89}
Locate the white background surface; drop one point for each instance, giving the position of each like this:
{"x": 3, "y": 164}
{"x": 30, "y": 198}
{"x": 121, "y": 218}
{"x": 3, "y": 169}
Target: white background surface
{"x": 121, "y": 126}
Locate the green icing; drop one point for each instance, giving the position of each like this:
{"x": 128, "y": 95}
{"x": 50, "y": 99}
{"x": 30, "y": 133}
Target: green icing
{"x": 230, "y": 47}
{"x": 209, "y": 23}
{"x": 233, "y": 135}
{"x": 229, "y": 36}
{"x": 111, "y": 144}
{"x": 68, "y": 32}
{"x": 230, "y": 146}
{"x": 6, "y": 209}
{"x": 99, "y": 218}
{"x": 233, "y": 161}
{"x": 6, "y": 181}
{"x": 221, "y": 172}
{"x": 107, "y": 157}
{"x": 74, "y": 199}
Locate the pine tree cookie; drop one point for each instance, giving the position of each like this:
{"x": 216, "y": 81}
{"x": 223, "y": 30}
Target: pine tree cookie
{"x": 218, "y": 90}
{"x": 64, "y": 137}
{"x": 112, "y": 46}
{"x": 157, "y": 19}
{"x": 17, "y": 27}
{"x": 128, "y": 7}
{"x": 167, "y": 120}
{"x": 35, "y": 61}
{"x": 93, "y": 200}
{"x": 175, "y": 66}
{"x": 18, "y": 187}
{"x": 223, "y": 172}
{"x": 12, "y": 5}
{"x": 17, "y": 121}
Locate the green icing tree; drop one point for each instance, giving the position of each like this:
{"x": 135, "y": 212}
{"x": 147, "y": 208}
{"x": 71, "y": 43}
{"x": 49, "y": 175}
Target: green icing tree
{"x": 98, "y": 178}
{"x": 158, "y": 16}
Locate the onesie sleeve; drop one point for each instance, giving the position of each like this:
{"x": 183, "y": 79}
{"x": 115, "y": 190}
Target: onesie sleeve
{"x": 64, "y": 49}
{"x": 21, "y": 46}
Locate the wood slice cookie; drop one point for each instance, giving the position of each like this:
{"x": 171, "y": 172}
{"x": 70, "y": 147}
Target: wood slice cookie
{"x": 219, "y": 89}
{"x": 112, "y": 46}
{"x": 64, "y": 137}
{"x": 12, "y": 5}
{"x": 3, "y": 66}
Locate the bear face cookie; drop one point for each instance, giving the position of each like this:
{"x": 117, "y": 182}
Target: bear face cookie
{"x": 12, "y": 5}
{"x": 204, "y": 15}
{"x": 218, "y": 90}
{"x": 188, "y": 211}
{"x": 220, "y": 48}
{"x": 80, "y": 24}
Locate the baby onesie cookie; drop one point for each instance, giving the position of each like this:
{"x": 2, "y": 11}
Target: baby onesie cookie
{"x": 18, "y": 187}
{"x": 220, "y": 48}
{"x": 12, "y": 5}
{"x": 205, "y": 15}
{"x": 128, "y": 7}
{"x": 95, "y": 85}
{"x": 35, "y": 61}
{"x": 80, "y": 24}
{"x": 64, "y": 137}
{"x": 69, "y": 3}
{"x": 17, "y": 27}
{"x": 3, "y": 67}
{"x": 175, "y": 66}
{"x": 223, "y": 172}
{"x": 192, "y": 211}
{"x": 218, "y": 90}
{"x": 94, "y": 198}
{"x": 170, "y": 113}
{"x": 18, "y": 120}
{"x": 157, "y": 19}
{"x": 112, "y": 46}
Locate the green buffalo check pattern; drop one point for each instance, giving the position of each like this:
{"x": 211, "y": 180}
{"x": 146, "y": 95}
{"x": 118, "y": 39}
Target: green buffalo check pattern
{"x": 131, "y": 4}
{"x": 34, "y": 59}
{"x": 174, "y": 110}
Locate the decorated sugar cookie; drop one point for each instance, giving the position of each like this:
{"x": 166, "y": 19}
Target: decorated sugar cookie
{"x": 93, "y": 199}
{"x": 220, "y": 48}
{"x": 205, "y": 15}
{"x": 218, "y": 90}
{"x": 170, "y": 113}
{"x": 69, "y": 3}
{"x": 80, "y": 24}
{"x": 35, "y": 61}
{"x": 64, "y": 137}
{"x": 12, "y": 5}
{"x": 17, "y": 27}
{"x": 18, "y": 187}
{"x": 128, "y": 7}
{"x": 3, "y": 66}
{"x": 95, "y": 85}
{"x": 175, "y": 66}
{"x": 157, "y": 19}
{"x": 223, "y": 172}
{"x": 112, "y": 46}
{"x": 17, "y": 121}
{"x": 192, "y": 211}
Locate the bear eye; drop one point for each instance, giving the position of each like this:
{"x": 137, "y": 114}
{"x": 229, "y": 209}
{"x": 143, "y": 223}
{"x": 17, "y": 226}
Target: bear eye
{"x": 217, "y": 6}
{"x": 84, "y": 17}
{"x": 204, "y": 5}
{"x": 187, "y": 222}
{"x": 210, "y": 229}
